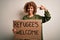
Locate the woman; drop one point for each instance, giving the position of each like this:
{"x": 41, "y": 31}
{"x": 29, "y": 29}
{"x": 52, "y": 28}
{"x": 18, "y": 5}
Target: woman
{"x": 31, "y": 9}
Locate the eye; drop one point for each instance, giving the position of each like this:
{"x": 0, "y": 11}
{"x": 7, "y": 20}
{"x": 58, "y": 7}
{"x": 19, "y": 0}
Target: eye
{"x": 31, "y": 8}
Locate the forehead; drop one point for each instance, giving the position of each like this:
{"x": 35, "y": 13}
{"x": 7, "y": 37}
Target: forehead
{"x": 30, "y": 6}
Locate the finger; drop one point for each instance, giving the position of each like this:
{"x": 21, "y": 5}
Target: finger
{"x": 38, "y": 7}
{"x": 42, "y": 6}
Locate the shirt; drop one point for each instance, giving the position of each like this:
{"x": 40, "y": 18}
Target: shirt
{"x": 44, "y": 18}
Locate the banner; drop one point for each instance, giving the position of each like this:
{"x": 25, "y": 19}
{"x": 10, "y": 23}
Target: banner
{"x": 27, "y": 29}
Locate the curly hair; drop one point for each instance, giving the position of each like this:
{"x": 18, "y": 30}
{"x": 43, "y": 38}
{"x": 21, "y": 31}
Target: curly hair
{"x": 30, "y": 4}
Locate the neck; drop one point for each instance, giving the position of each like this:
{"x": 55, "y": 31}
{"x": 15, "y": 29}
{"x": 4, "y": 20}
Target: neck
{"x": 31, "y": 14}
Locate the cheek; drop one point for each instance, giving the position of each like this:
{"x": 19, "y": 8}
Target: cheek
{"x": 28, "y": 9}
{"x": 32, "y": 9}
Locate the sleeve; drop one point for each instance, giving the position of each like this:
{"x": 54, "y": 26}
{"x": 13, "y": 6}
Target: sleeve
{"x": 25, "y": 17}
{"x": 47, "y": 17}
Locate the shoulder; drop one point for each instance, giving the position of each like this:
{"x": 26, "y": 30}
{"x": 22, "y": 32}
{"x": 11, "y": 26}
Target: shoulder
{"x": 37, "y": 15}
{"x": 24, "y": 17}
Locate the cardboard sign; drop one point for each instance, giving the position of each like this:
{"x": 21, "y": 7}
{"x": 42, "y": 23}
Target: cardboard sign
{"x": 27, "y": 29}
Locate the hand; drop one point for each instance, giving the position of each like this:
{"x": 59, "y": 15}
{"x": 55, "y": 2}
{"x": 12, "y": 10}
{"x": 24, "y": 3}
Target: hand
{"x": 42, "y": 8}
{"x": 14, "y": 30}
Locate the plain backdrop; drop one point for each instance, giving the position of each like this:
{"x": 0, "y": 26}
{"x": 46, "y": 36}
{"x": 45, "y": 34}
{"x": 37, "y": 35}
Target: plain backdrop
{"x": 13, "y": 10}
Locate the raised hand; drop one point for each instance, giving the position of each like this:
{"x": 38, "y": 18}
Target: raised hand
{"x": 42, "y": 8}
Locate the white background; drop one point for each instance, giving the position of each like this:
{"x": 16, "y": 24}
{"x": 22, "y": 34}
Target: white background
{"x": 13, "y": 10}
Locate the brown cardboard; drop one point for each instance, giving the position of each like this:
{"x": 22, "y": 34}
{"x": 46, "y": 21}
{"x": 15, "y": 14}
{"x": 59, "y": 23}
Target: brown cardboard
{"x": 27, "y": 29}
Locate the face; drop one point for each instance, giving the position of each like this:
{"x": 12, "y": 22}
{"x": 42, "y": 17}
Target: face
{"x": 30, "y": 9}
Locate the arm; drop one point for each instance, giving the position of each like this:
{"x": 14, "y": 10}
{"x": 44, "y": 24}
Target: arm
{"x": 47, "y": 17}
